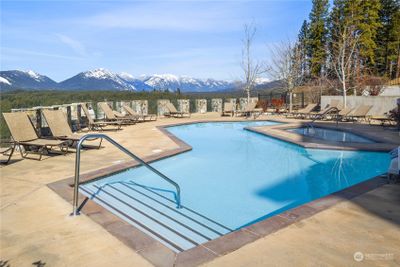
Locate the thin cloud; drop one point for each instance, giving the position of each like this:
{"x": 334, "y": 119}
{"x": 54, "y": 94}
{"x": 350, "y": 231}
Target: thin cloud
{"x": 164, "y": 16}
{"x": 194, "y": 37}
{"x": 194, "y": 52}
{"x": 9, "y": 50}
{"x": 75, "y": 45}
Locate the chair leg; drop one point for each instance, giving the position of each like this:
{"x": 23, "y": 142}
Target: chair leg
{"x": 10, "y": 155}
{"x": 41, "y": 150}
{"x": 101, "y": 140}
{"x": 369, "y": 122}
{"x": 23, "y": 155}
{"x": 66, "y": 147}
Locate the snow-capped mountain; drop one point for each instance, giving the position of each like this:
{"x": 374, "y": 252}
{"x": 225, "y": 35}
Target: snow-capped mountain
{"x": 172, "y": 82}
{"x": 98, "y": 79}
{"x": 262, "y": 80}
{"x": 102, "y": 79}
{"x": 17, "y": 79}
{"x": 126, "y": 76}
{"x": 5, "y": 81}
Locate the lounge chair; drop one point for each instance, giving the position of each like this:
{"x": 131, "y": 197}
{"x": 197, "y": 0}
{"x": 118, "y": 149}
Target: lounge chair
{"x": 342, "y": 113}
{"x": 127, "y": 117}
{"x": 330, "y": 110}
{"x": 25, "y": 137}
{"x": 99, "y": 125}
{"x": 228, "y": 109}
{"x": 251, "y": 110}
{"x": 302, "y": 113}
{"x": 60, "y": 129}
{"x": 148, "y": 117}
{"x": 112, "y": 115}
{"x": 323, "y": 114}
{"x": 359, "y": 113}
{"x": 335, "y": 104}
{"x": 385, "y": 118}
{"x": 173, "y": 112}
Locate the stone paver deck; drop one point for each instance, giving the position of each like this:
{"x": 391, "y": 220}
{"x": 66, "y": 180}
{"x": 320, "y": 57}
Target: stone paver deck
{"x": 368, "y": 224}
{"x": 36, "y": 226}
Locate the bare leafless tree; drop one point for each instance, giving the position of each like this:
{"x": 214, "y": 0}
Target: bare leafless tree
{"x": 252, "y": 69}
{"x": 286, "y": 66}
{"x": 343, "y": 57}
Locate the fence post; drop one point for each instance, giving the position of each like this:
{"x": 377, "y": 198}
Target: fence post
{"x": 39, "y": 121}
{"x": 69, "y": 116}
{"x": 78, "y": 117}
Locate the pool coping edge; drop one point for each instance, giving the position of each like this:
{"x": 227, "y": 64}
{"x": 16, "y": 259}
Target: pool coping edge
{"x": 151, "y": 249}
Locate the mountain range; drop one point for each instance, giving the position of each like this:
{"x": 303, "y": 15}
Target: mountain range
{"x": 102, "y": 79}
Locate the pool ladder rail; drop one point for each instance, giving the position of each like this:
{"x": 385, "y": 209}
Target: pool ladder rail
{"x": 310, "y": 126}
{"x": 75, "y": 210}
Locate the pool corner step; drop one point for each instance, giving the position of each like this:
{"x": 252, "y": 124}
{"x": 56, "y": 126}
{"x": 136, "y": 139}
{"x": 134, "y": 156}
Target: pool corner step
{"x": 200, "y": 218}
{"x": 179, "y": 229}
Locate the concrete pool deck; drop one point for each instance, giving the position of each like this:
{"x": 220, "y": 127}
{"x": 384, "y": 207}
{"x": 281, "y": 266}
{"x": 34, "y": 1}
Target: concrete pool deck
{"x": 35, "y": 225}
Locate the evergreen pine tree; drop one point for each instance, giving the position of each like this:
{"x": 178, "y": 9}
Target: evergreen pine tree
{"x": 304, "y": 49}
{"x": 318, "y": 36}
{"x": 376, "y": 23}
{"x": 364, "y": 15}
{"x": 388, "y": 38}
{"x": 395, "y": 46}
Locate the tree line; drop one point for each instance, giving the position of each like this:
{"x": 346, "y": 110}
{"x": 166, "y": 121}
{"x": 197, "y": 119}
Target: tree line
{"x": 352, "y": 47}
{"x": 364, "y": 32}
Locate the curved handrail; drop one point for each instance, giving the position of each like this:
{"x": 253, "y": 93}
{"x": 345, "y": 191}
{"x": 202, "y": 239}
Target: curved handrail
{"x": 75, "y": 210}
{"x": 310, "y": 125}
{"x": 331, "y": 109}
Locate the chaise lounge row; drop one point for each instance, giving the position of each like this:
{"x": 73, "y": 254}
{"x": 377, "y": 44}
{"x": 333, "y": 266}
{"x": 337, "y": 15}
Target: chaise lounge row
{"x": 333, "y": 111}
{"x": 26, "y": 139}
{"x": 249, "y": 110}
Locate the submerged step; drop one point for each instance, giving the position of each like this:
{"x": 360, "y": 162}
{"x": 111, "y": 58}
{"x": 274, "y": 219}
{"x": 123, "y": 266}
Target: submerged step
{"x": 156, "y": 229}
{"x": 219, "y": 228}
{"x": 179, "y": 229}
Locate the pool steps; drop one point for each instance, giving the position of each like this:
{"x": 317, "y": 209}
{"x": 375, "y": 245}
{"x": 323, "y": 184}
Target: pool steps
{"x": 156, "y": 215}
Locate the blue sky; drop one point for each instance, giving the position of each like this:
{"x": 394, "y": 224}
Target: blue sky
{"x": 194, "y": 38}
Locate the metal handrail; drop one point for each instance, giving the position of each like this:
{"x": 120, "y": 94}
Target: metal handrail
{"x": 335, "y": 109}
{"x": 310, "y": 125}
{"x": 75, "y": 210}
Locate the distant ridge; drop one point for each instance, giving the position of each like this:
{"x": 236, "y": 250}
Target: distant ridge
{"x": 99, "y": 79}
{"x": 17, "y": 79}
{"x": 102, "y": 79}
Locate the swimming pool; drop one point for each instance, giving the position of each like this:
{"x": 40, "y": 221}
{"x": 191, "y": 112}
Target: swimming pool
{"x": 331, "y": 135}
{"x": 232, "y": 178}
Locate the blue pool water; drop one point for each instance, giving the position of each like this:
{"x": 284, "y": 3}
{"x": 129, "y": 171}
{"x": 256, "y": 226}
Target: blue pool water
{"x": 237, "y": 177}
{"x": 331, "y": 135}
